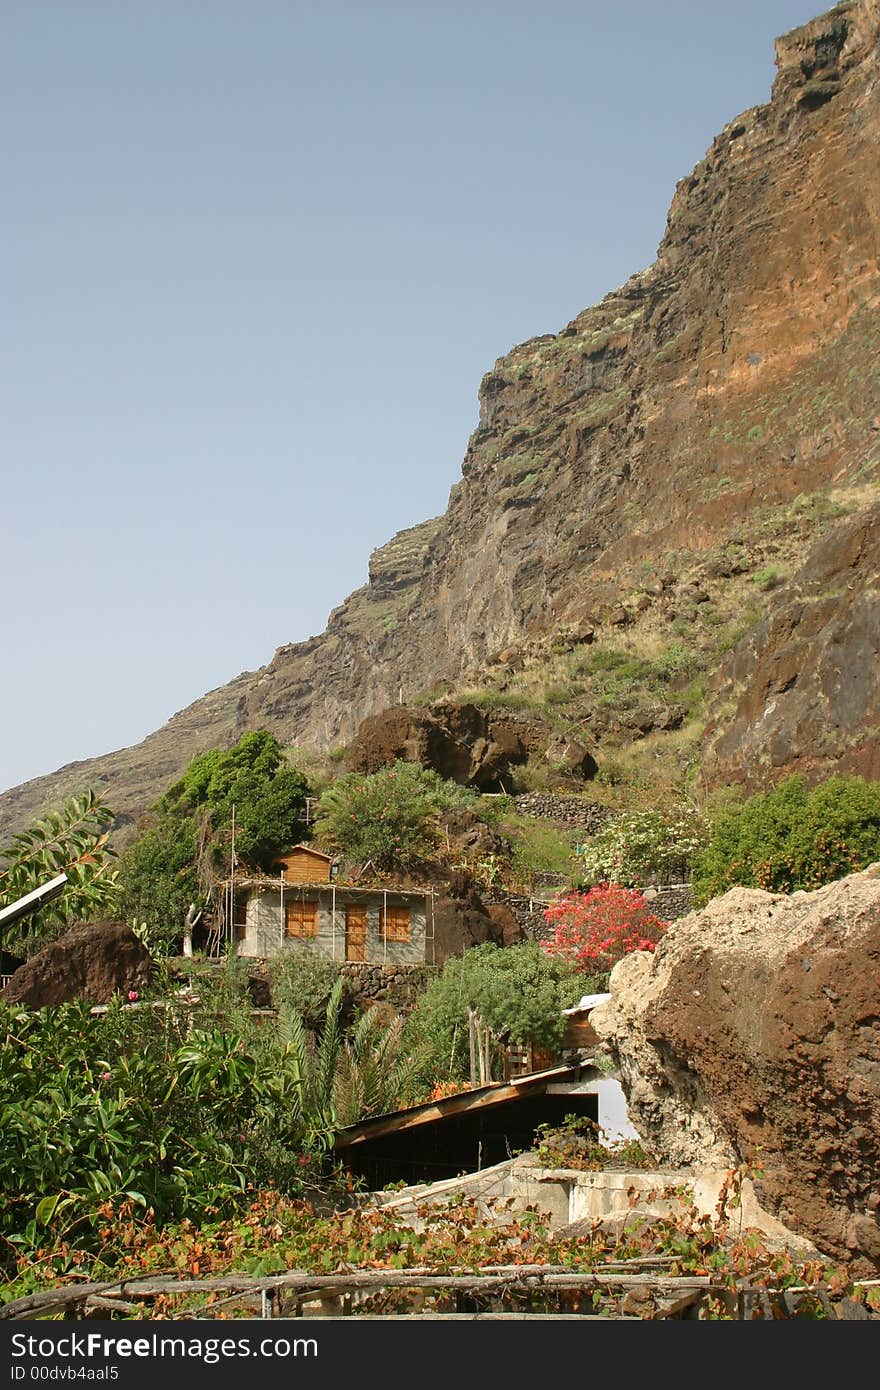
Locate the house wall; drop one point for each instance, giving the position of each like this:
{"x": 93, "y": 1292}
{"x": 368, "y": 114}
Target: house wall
{"x": 264, "y": 936}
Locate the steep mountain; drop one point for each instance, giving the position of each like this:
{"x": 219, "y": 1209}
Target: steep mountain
{"x": 689, "y": 466}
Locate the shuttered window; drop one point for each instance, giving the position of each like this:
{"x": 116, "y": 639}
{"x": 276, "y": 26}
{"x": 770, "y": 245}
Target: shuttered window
{"x": 395, "y": 924}
{"x": 301, "y": 919}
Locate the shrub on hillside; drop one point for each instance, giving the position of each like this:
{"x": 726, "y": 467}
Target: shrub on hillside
{"x": 389, "y": 817}
{"x": 645, "y": 846}
{"x": 791, "y": 837}
{"x": 594, "y": 930}
{"x": 185, "y": 844}
{"x": 519, "y": 993}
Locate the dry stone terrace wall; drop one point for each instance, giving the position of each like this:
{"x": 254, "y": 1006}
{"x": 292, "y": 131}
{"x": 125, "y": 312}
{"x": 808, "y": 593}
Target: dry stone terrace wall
{"x": 397, "y": 985}
{"x": 588, "y": 816}
{"x": 670, "y": 900}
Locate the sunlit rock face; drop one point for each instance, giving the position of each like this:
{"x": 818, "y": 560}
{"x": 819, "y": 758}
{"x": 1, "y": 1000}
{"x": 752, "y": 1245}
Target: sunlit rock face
{"x": 752, "y": 1035}
{"x": 726, "y": 398}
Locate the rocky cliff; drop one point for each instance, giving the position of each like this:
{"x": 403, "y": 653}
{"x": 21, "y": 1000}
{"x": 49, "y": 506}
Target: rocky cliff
{"x": 717, "y": 418}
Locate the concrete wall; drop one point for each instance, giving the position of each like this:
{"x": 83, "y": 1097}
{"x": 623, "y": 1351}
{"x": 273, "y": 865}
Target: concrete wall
{"x": 567, "y": 1195}
{"x": 264, "y": 935}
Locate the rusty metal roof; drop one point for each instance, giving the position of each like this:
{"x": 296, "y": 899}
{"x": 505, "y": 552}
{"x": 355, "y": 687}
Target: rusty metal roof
{"x": 496, "y": 1093}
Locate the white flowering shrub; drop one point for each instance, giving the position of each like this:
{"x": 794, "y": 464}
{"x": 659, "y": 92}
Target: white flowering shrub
{"x": 640, "y": 847}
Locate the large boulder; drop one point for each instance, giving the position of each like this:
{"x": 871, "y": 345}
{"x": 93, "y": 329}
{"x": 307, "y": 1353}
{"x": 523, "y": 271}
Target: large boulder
{"x": 92, "y": 961}
{"x": 462, "y": 919}
{"x": 752, "y": 1036}
{"x": 463, "y": 743}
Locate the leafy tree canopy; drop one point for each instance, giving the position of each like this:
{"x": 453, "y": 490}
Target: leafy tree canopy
{"x": 71, "y": 840}
{"x": 792, "y": 837}
{"x": 184, "y": 845}
{"x": 252, "y": 777}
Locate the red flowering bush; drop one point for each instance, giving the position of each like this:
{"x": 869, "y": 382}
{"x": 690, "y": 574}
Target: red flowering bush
{"x": 596, "y": 929}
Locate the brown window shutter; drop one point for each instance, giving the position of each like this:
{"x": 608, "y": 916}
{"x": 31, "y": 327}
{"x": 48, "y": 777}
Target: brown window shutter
{"x": 301, "y": 919}
{"x": 396, "y": 923}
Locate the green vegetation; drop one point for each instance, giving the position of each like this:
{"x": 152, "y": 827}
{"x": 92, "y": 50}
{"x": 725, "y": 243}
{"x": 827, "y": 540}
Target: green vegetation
{"x": 390, "y": 817}
{"x": 177, "y": 1109}
{"x": 185, "y": 844}
{"x": 518, "y": 992}
{"x": 647, "y": 846}
{"x": 539, "y": 849}
{"x": 790, "y": 838}
{"x": 579, "y": 1143}
{"x": 273, "y": 1234}
{"x": 254, "y": 779}
{"x": 72, "y": 841}
{"x": 769, "y": 577}
{"x": 302, "y": 984}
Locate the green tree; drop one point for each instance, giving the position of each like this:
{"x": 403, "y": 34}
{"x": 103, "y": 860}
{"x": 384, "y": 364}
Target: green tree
{"x": 184, "y": 844}
{"x": 254, "y": 779}
{"x": 71, "y": 840}
{"x": 390, "y": 817}
{"x": 160, "y": 877}
{"x": 792, "y": 837}
{"x": 518, "y": 991}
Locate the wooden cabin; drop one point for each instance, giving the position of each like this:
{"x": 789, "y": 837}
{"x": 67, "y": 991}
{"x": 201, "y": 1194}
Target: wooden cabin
{"x": 304, "y": 864}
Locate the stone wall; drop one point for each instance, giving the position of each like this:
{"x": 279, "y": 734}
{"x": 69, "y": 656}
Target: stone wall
{"x": 397, "y": 985}
{"x": 588, "y": 816}
{"x": 670, "y": 900}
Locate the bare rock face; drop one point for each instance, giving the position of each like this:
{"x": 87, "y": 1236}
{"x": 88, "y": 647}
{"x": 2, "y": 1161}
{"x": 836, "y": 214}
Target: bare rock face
{"x": 469, "y": 838}
{"x": 752, "y": 1035}
{"x": 93, "y": 961}
{"x": 807, "y": 676}
{"x": 690, "y": 410}
{"x": 461, "y": 742}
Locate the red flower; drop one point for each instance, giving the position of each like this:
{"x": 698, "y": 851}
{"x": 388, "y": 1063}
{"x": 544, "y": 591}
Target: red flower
{"x": 596, "y": 929}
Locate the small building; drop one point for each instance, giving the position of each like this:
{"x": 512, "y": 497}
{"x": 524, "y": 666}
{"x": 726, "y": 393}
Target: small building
{"x": 305, "y": 864}
{"x": 303, "y": 908}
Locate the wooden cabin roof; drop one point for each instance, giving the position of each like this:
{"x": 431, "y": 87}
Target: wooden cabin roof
{"x": 303, "y": 849}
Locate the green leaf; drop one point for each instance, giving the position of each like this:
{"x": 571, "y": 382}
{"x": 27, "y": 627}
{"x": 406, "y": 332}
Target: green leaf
{"x": 46, "y": 1209}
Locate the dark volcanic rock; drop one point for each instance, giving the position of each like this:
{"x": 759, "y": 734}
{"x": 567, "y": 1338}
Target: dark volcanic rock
{"x": 752, "y": 1036}
{"x": 810, "y": 674}
{"x": 92, "y": 961}
{"x": 471, "y": 838}
{"x": 462, "y": 919}
{"x": 462, "y": 743}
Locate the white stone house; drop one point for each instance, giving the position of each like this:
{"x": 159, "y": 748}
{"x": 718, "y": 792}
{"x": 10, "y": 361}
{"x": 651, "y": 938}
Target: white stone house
{"x": 303, "y": 908}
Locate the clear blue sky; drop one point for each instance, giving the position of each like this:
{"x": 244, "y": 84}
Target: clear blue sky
{"x": 256, "y": 258}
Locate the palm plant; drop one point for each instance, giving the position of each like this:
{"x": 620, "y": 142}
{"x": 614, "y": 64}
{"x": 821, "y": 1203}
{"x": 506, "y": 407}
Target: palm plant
{"x": 340, "y": 1081}
{"x": 371, "y": 1069}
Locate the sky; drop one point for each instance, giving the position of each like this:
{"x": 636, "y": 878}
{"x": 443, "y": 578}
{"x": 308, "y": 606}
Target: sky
{"x": 257, "y": 257}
